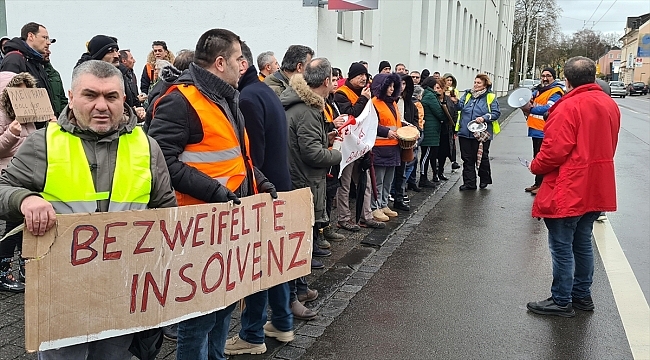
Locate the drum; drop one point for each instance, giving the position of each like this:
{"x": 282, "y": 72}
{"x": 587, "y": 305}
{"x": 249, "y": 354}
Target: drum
{"x": 408, "y": 138}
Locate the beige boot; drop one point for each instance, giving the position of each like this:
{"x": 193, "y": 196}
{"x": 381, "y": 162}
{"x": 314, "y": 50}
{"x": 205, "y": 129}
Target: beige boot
{"x": 379, "y": 215}
{"x": 389, "y": 212}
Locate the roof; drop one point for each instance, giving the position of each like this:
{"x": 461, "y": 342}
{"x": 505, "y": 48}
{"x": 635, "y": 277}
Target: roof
{"x": 635, "y": 22}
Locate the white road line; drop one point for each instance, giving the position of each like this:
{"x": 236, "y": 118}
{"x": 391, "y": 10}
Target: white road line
{"x": 630, "y": 301}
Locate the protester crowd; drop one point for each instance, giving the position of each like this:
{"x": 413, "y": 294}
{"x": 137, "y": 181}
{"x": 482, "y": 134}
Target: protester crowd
{"x": 224, "y": 124}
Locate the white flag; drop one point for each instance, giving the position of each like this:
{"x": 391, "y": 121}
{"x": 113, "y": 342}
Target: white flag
{"x": 358, "y": 136}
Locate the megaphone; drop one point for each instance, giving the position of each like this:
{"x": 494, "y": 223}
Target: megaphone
{"x": 520, "y": 97}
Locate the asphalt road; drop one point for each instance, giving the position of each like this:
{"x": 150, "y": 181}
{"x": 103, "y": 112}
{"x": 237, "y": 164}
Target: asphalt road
{"x": 458, "y": 285}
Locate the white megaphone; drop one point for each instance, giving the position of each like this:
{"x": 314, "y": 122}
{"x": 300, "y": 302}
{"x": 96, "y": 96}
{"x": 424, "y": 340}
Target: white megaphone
{"x": 520, "y": 97}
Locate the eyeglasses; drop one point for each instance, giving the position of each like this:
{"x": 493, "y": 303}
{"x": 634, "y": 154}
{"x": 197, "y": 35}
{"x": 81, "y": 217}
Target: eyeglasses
{"x": 547, "y": 76}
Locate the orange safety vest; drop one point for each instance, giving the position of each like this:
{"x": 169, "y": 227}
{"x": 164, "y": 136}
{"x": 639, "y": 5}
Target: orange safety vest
{"x": 150, "y": 70}
{"x": 349, "y": 93}
{"x": 537, "y": 121}
{"x": 219, "y": 154}
{"x": 387, "y": 119}
{"x": 329, "y": 113}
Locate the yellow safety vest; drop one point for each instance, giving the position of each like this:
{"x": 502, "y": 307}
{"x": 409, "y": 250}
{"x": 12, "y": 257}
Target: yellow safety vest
{"x": 69, "y": 185}
{"x": 490, "y": 98}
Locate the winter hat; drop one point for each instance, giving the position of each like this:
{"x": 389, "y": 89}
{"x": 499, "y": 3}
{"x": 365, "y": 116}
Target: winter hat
{"x": 98, "y": 46}
{"x": 384, "y": 64}
{"x": 550, "y": 69}
{"x": 425, "y": 73}
{"x": 356, "y": 69}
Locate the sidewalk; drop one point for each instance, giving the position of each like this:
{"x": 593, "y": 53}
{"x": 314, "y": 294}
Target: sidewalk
{"x": 352, "y": 263}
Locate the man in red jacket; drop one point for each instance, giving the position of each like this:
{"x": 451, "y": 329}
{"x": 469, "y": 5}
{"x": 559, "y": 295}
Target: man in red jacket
{"x": 577, "y": 161}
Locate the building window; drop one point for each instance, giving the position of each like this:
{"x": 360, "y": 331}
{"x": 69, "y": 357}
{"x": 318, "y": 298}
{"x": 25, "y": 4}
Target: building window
{"x": 611, "y": 56}
{"x": 344, "y": 25}
{"x": 449, "y": 39}
{"x": 424, "y": 25}
{"x": 436, "y": 36}
{"x": 618, "y": 56}
{"x": 366, "y": 28}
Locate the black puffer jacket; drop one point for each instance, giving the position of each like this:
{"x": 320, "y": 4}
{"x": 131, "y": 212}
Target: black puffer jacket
{"x": 130, "y": 86}
{"x": 21, "y": 58}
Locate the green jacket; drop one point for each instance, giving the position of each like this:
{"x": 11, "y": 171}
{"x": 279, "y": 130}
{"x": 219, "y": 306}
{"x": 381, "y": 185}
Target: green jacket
{"x": 434, "y": 116}
{"x": 59, "y": 100}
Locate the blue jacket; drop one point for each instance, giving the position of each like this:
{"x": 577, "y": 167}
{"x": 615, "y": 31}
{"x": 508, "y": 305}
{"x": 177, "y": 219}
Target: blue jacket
{"x": 267, "y": 128}
{"x": 541, "y": 110}
{"x": 472, "y": 108}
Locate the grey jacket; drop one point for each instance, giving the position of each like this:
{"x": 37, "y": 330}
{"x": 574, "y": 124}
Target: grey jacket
{"x": 309, "y": 156}
{"x": 25, "y": 175}
{"x": 278, "y": 82}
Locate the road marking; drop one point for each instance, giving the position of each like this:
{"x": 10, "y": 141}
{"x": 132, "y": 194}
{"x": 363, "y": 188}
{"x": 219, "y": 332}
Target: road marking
{"x": 630, "y": 301}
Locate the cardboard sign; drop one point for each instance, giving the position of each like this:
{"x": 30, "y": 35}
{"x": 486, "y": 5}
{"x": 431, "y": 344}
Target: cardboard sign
{"x": 358, "y": 136}
{"x": 30, "y": 105}
{"x": 100, "y": 275}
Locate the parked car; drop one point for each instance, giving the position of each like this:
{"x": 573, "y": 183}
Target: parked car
{"x": 637, "y": 88}
{"x": 529, "y": 83}
{"x": 618, "y": 88}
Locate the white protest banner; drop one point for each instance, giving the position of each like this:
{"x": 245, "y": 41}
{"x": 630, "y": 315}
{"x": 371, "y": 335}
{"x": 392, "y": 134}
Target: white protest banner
{"x": 100, "y": 275}
{"x": 358, "y": 136}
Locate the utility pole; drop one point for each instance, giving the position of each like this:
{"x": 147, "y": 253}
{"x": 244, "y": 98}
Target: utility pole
{"x": 535, "y": 51}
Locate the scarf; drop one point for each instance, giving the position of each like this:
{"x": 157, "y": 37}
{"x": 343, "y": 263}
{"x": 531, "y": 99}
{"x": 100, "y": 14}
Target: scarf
{"x": 476, "y": 94}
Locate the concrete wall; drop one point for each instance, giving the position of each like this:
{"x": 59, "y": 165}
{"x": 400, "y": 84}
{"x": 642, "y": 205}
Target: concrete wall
{"x": 462, "y": 37}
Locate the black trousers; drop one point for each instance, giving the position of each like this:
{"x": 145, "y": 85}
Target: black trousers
{"x": 429, "y": 156}
{"x": 444, "y": 150}
{"x": 537, "y": 145}
{"x": 468, "y": 152}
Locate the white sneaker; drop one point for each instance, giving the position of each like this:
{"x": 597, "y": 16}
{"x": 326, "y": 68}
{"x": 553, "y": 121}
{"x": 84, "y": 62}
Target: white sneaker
{"x": 602, "y": 217}
{"x": 283, "y": 336}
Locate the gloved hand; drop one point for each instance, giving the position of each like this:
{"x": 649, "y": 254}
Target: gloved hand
{"x": 267, "y": 187}
{"x": 223, "y": 194}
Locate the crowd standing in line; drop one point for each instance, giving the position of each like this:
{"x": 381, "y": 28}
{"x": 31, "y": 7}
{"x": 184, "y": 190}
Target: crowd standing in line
{"x": 213, "y": 119}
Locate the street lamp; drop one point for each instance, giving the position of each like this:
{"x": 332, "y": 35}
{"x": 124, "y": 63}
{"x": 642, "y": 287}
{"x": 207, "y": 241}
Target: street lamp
{"x": 535, "y": 51}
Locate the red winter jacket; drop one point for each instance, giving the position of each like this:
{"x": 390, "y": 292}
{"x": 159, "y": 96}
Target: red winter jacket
{"x": 577, "y": 155}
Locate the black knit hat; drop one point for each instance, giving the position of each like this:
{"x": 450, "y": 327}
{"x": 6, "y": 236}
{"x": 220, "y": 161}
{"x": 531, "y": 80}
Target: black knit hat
{"x": 550, "y": 69}
{"x": 356, "y": 69}
{"x": 99, "y": 45}
{"x": 384, "y": 64}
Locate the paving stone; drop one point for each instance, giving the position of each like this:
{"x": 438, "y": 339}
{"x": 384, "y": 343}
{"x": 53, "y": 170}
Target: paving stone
{"x": 362, "y": 275}
{"x": 351, "y": 288}
{"x": 303, "y": 342}
{"x": 290, "y": 353}
{"x": 370, "y": 269}
{"x": 357, "y": 281}
{"x": 343, "y": 295}
{"x": 311, "y": 330}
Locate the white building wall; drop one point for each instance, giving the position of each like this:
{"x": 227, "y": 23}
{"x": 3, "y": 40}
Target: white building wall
{"x": 461, "y": 37}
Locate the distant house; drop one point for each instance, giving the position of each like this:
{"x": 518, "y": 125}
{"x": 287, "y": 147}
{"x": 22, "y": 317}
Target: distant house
{"x": 609, "y": 64}
{"x": 635, "y": 54}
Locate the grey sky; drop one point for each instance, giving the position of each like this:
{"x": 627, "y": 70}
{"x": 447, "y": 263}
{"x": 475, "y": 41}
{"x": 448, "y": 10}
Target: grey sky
{"x": 575, "y": 12}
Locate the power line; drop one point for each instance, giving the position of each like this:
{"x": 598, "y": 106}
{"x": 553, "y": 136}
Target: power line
{"x": 592, "y": 14}
{"x": 610, "y": 7}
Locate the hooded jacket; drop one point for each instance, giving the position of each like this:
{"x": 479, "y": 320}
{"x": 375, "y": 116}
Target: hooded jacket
{"x": 386, "y": 155}
{"x": 278, "y": 82}
{"x": 434, "y": 117}
{"x": 309, "y": 156}
{"x": 145, "y": 79}
{"x": 26, "y": 174}
{"x": 176, "y": 124}
{"x": 19, "y": 57}
{"x": 266, "y": 124}
{"x": 9, "y": 143}
{"x": 577, "y": 155}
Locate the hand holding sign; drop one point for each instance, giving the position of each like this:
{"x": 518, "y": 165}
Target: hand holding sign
{"x": 30, "y": 104}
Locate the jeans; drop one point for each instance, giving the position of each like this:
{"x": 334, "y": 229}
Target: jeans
{"x": 204, "y": 337}
{"x": 411, "y": 169}
{"x": 573, "y": 256}
{"x": 297, "y": 286}
{"x": 254, "y": 315}
{"x": 116, "y": 348}
{"x": 384, "y": 177}
{"x": 398, "y": 187}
